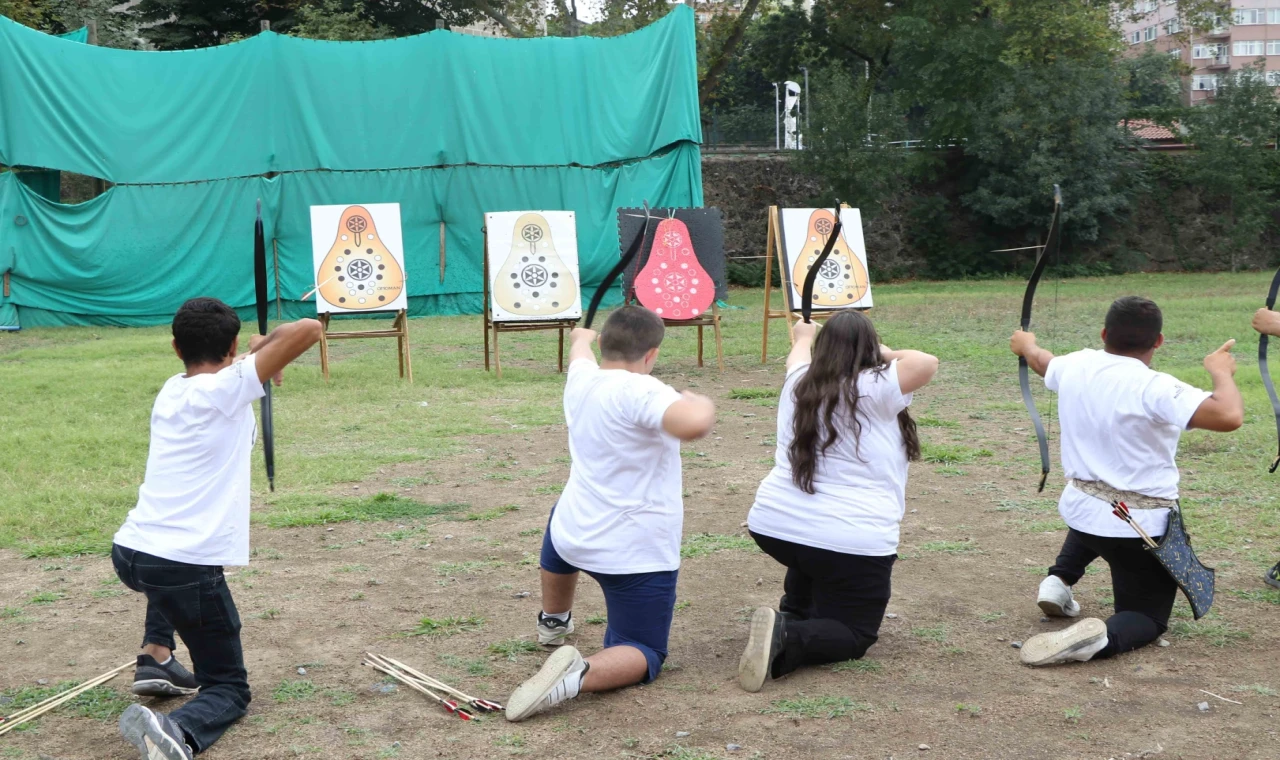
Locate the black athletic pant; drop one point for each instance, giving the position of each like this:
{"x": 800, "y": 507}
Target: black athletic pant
{"x": 834, "y": 603}
{"x": 1143, "y": 589}
{"x": 193, "y": 600}
{"x": 1073, "y": 558}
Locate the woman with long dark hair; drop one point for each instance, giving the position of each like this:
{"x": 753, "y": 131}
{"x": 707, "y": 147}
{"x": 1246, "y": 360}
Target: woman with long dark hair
{"x": 830, "y": 508}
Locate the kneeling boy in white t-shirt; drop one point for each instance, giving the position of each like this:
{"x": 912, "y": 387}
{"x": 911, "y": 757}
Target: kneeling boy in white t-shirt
{"x": 192, "y": 518}
{"x": 620, "y": 516}
{"x": 1120, "y": 422}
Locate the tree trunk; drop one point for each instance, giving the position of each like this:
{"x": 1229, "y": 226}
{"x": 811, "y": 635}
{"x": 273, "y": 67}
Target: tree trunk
{"x": 500, "y": 17}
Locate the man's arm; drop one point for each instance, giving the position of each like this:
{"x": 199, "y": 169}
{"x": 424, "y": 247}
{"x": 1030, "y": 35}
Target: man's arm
{"x": 690, "y": 418}
{"x": 272, "y": 353}
{"x": 580, "y": 341}
{"x": 1024, "y": 344}
{"x": 1267, "y": 321}
{"x": 1222, "y": 412}
{"x": 802, "y": 336}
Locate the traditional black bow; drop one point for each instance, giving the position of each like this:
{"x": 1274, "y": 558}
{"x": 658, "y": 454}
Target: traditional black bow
{"x": 260, "y": 281}
{"x": 1266, "y": 371}
{"x": 618, "y": 269}
{"x": 1024, "y": 377}
{"x": 811, "y": 279}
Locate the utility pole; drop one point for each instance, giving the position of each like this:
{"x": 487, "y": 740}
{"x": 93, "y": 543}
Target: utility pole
{"x": 264, "y": 26}
{"x": 777, "y": 119}
{"x": 805, "y": 69}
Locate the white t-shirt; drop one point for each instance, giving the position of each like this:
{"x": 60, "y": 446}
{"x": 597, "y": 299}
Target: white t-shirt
{"x": 622, "y": 510}
{"x": 193, "y": 505}
{"x": 860, "y": 486}
{"x": 1120, "y": 421}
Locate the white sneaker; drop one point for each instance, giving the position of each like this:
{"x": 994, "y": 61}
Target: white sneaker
{"x": 1079, "y": 643}
{"x": 1056, "y": 600}
{"x": 551, "y": 632}
{"x": 558, "y": 681}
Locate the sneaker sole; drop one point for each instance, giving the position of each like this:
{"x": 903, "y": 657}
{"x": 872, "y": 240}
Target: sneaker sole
{"x": 1054, "y": 648}
{"x": 160, "y": 688}
{"x": 525, "y": 699}
{"x": 1054, "y": 609}
{"x": 140, "y": 727}
{"x": 753, "y": 668}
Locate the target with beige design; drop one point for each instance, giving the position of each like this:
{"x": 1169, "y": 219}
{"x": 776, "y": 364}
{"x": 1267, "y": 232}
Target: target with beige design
{"x": 532, "y": 265}
{"x": 359, "y": 258}
{"x": 843, "y": 281}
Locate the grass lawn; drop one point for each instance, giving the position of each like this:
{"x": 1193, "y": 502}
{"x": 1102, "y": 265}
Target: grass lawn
{"x": 74, "y": 416}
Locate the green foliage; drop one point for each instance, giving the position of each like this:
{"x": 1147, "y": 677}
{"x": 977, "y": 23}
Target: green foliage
{"x": 335, "y": 20}
{"x": 447, "y": 626}
{"x": 702, "y": 544}
{"x": 294, "y": 691}
{"x": 816, "y": 707}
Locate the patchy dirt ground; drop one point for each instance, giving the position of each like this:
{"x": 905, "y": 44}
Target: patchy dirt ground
{"x": 975, "y": 542}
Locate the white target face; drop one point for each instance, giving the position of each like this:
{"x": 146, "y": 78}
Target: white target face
{"x": 533, "y": 266}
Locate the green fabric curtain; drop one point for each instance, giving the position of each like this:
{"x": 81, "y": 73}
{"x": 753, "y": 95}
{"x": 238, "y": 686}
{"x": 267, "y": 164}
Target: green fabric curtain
{"x": 75, "y": 35}
{"x": 448, "y": 126}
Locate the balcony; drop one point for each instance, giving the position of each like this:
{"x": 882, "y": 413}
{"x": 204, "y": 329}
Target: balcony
{"x": 1219, "y": 62}
{"x": 1221, "y": 31}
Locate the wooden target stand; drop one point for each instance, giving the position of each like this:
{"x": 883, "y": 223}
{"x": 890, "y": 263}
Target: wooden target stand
{"x": 399, "y": 330}
{"x": 773, "y": 249}
{"x": 521, "y": 326}
{"x": 711, "y": 320}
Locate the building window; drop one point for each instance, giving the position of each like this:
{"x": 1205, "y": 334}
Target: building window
{"x": 1204, "y": 82}
{"x": 1173, "y": 26}
{"x": 1176, "y": 53}
{"x": 1135, "y": 38}
{"x": 1150, "y": 33}
{"x": 1208, "y": 51}
{"x": 1249, "y": 17}
{"x": 1273, "y": 16}
{"x": 1248, "y": 47}
{"x": 1273, "y": 47}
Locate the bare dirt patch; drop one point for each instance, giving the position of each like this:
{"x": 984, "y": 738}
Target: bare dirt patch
{"x": 975, "y": 542}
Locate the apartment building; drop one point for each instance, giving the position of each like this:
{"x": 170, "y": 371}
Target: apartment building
{"x": 1251, "y": 33}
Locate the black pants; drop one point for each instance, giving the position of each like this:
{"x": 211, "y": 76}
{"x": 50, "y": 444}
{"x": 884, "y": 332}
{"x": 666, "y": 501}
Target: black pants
{"x": 194, "y": 601}
{"x": 1143, "y": 589}
{"x": 835, "y": 603}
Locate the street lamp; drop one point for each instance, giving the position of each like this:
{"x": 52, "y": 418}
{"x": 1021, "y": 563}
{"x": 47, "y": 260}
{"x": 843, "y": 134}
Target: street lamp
{"x": 805, "y": 69}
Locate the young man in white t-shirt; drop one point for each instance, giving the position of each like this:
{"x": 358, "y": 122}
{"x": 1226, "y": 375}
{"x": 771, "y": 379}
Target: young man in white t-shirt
{"x": 1120, "y": 423}
{"x": 192, "y": 518}
{"x": 620, "y": 516}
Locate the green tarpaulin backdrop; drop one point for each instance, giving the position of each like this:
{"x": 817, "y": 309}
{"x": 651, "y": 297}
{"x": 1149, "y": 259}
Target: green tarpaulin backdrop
{"x": 449, "y": 126}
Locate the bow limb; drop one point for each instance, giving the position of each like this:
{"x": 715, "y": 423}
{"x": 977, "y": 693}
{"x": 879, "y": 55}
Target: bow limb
{"x": 811, "y": 277}
{"x": 1265, "y": 371}
{"x": 627, "y": 257}
{"x": 1024, "y": 371}
{"x": 262, "y": 302}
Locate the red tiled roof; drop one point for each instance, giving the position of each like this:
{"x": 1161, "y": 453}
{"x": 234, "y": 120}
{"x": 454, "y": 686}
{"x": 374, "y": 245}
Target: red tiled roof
{"x": 1146, "y": 130}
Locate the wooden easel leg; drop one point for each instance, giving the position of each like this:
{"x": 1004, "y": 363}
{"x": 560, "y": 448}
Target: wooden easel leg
{"x": 699, "y": 345}
{"x": 560, "y": 363}
{"x": 486, "y": 344}
{"x": 324, "y": 346}
{"x": 719, "y": 344}
{"x": 497, "y": 359}
{"x": 768, "y": 286}
{"x": 399, "y": 326}
{"x": 408, "y": 358}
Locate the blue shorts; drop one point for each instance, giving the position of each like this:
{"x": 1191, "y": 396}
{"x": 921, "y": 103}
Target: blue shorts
{"x": 640, "y": 606}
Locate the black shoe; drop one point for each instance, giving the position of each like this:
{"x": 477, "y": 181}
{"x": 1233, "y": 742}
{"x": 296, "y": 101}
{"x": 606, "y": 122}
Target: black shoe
{"x": 155, "y": 736}
{"x": 1272, "y": 577}
{"x": 764, "y": 644}
{"x": 151, "y": 679}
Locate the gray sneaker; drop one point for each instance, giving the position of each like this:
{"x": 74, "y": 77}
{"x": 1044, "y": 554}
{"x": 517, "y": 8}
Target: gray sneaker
{"x": 151, "y": 679}
{"x": 155, "y": 736}
{"x": 551, "y": 632}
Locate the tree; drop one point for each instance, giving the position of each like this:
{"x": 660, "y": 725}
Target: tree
{"x": 1236, "y": 166}
{"x": 329, "y": 20}
{"x": 116, "y": 29}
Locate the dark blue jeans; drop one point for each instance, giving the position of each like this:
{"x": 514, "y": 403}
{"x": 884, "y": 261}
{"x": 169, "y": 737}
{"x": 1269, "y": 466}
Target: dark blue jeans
{"x": 194, "y": 601}
{"x": 640, "y": 606}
